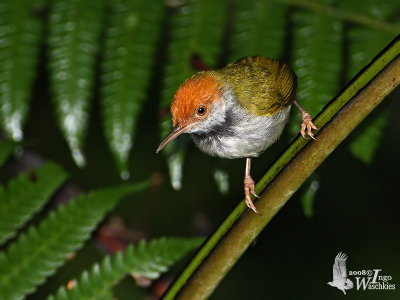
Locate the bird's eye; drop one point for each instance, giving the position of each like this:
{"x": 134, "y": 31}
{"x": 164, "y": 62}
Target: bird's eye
{"x": 201, "y": 110}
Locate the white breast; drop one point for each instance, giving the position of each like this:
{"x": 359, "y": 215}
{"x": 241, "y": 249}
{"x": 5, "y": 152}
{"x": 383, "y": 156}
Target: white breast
{"x": 230, "y": 132}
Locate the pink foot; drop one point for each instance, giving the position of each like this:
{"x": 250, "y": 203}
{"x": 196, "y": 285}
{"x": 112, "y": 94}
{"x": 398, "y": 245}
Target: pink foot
{"x": 249, "y": 189}
{"x": 307, "y": 124}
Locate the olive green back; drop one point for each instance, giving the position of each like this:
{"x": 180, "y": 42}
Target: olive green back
{"x": 261, "y": 85}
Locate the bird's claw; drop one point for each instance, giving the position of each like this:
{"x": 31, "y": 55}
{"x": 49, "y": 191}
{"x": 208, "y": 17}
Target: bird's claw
{"x": 249, "y": 189}
{"x": 307, "y": 124}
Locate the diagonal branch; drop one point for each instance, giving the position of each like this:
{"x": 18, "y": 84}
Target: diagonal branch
{"x": 337, "y": 120}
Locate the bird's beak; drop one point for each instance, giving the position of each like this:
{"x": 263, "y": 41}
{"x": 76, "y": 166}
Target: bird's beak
{"x": 175, "y": 132}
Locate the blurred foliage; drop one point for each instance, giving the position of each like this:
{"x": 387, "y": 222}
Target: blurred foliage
{"x": 317, "y": 61}
{"x": 365, "y": 44}
{"x": 259, "y": 28}
{"x": 41, "y": 249}
{"x": 20, "y": 36}
{"x": 114, "y": 54}
{"x": 73, "y": 43}
{"x": 146, "y": 259}
{"x": 129, "y": 48}
{"x": 25, "y": 195}
{"x": 366, "y": 143}
{"x": 310, "y": 189}
{"x": 7, "y": 147}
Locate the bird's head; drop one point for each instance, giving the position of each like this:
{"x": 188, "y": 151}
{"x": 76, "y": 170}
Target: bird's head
{"x": 197, "y": 106}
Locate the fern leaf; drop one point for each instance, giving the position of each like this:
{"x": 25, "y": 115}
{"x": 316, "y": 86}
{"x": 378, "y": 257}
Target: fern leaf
{"x": 73, "y": 41}
{"x": 317, "y": 61}
{"x": 147, "y": 259}
{"x": 26, "y": 195}
{"x": 308, "y": 197}
{"x": 221, "y": 175}
{"x": 41, "y": 250}
{"x": 364, "y": 45}
{"x": 6, "y": 149}
{"x": 193, "y": 32}
{"x": 133, "y": 30}
{"x": 365, "y": 144}
{"x": 20, "y": 35}
{"x": 258, "y": 29}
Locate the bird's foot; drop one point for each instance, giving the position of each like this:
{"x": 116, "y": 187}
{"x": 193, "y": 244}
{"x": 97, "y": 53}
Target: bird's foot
{"x": 249, "y": 189}
{"x": 307, "y": 124}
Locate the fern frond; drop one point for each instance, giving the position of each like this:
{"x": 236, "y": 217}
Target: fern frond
{"x": 317, "y": 61}
{"x": 20, "y": 36}
{"x": 307, "y": 197}
{"x": 364, "y": 45}
{"x": 196, "y": 29}
{"x": 146, "y": 259}
{"x": 221, "y": 176}
{"x": 366, "y": 143}
{"x": 25, "y": 195}
{"x": 74, "y": 30}
{"x": 41, "y": 250}
{"x": 258, "y": 29}
{"x": 6, "y": 149}
{"x": 133, "y": 30}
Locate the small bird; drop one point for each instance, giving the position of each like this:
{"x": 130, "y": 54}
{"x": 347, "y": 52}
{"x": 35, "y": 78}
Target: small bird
{"x": 237, "y": 111}
{"x": 340, "y": 279}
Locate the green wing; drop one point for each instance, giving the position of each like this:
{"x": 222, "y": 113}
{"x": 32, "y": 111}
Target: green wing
{"x": 261, "y": 85}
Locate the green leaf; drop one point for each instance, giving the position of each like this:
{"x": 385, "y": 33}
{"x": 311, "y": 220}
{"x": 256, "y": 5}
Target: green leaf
{"x": 221, "y": 178}
{"x": 364, "y": 45}
{"x": 221, "y": 175}
{"x": 74, "y": 31}
{"x": 259, "y": 28}
{"x": 25, "y": 195}
{"x": 317, "y": 62}
{"x": 41, "y": 250}
{"x": 6, "y": 149}
{"x": 308, "y": 197}
{"x": 20, "y": 35}
{"x": 147, "y": 259}
{"x": 130, "y": 45}
{"x": 365, "y": 144}
{"x": 193, "y": 32}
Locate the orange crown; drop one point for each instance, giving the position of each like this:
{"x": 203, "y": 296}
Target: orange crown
{"x": 201, "y": 89}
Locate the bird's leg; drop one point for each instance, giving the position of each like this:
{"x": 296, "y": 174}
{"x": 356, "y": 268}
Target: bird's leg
{"x": 306, "y": 122}
{"x": 249, "y": 186}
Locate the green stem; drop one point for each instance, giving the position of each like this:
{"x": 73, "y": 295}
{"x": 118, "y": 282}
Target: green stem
{"x": 351, "y": 17}
{"x": 285, "y": 176}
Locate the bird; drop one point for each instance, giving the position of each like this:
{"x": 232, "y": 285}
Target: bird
{"x": 340, "y": 279}
{"x": 237, "y": 111}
